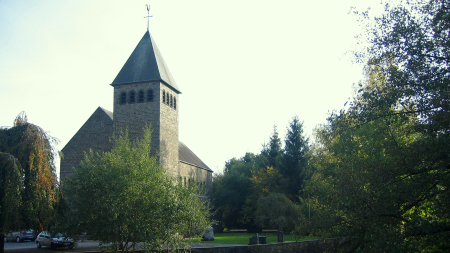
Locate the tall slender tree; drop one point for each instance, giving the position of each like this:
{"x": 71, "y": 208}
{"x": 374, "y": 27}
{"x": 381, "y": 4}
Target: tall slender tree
{"x": 295, "y": 158}
{"x": 275, "y": 150}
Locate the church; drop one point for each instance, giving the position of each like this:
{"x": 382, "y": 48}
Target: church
{"x": 145, "y": 93}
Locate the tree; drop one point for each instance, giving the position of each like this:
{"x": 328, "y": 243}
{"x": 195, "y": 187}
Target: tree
{"x": 277, "y": 211}
{"x": 275, "y": 151}
{"x": 295, "y": 158}
{"x": 28, "y": 186}
{"x": 409, "y": 44}
{"x": 124, "y": 197}
{"x": 381, "y": 179}
{"x": 232, "y": 189}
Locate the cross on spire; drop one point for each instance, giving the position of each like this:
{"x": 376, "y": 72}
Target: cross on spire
{"x": 148, "y": 15}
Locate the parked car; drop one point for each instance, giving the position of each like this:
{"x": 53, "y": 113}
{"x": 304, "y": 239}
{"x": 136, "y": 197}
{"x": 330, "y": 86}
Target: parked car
{"x": 21, "y": 236}
{"x": 54, "y": 241}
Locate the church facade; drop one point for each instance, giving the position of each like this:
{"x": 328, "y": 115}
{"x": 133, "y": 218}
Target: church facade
{"x": 145, "y": 93}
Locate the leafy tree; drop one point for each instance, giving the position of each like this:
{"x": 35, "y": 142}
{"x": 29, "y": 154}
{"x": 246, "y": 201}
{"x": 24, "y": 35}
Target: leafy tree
{"x": 295, "y": 166}
{"x": 277, "y": 211}
{"x": 28, "y": 186}
{"x": 409, "y": 44}
{"x": 232, "y": 189}
{"x": 267, "y": 180}
{"x": 124, "y": 197}
{"x": 381, "y": 179}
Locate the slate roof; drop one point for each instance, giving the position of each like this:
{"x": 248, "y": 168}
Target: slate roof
{"x": 187, "y": 156}
{"x": 146, "y": 64}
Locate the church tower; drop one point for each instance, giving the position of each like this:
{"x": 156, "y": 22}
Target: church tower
{"x": 145, "y": 93}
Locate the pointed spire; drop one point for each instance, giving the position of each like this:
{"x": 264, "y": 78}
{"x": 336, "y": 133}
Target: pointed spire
{"x": 145, "y": 64}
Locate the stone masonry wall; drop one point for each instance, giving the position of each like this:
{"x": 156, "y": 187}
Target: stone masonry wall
{"x": 190, "y": 172}
{"x": 94, "y": 134}
{"x": 316, "y": 246}
{"x": 134, "y": 116}
{"x": 163, "y": 119}
{"x": 169, "y": 142}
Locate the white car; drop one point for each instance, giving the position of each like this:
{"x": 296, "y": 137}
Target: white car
{"x": 54, "y": 241}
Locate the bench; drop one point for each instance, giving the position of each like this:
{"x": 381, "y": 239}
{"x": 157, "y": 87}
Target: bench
{"x": 238, "y": 230}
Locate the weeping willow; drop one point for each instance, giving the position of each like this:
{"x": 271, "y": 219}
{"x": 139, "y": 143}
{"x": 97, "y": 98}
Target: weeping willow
{"x": 28, "y": 184}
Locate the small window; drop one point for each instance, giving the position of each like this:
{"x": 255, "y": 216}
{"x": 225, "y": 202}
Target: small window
{"x": 171, "y": 100}
{"x": 174, "y": 103}
{"x": 164, "y": 96}
{"x": 150, "y": 96}
{"x": 167, "y": 98}
{"x": 141, "y": 96}
{"x": 123, "y": 98}
{"x": 132, "y": 97}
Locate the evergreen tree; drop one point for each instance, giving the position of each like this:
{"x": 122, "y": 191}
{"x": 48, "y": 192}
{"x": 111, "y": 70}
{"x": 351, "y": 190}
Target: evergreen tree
{"x": 275, "y": 151}
{"x": 295, "y": 158}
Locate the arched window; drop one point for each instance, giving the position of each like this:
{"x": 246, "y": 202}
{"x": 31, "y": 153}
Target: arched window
{"x": 171, "y": 100}
{"x": 150, "y": 96}
{"x": 123, "y": 98}
{"x": 167, "y": 98}
{"x": 132, "y": 98}
{"x": 164, "y": 96}
{"x": 174, "y": 103}
{"x": 141, "y": 96}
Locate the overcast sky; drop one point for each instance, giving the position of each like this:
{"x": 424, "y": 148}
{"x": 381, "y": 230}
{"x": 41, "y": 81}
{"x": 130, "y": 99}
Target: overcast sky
{"x": 242, "y": 66}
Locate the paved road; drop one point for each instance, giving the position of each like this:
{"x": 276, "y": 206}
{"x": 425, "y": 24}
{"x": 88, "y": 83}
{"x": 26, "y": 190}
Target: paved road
{"x": 28, "y": 247}
{"x": 13, "y": 247}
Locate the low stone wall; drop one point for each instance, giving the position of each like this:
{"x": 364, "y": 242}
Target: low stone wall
{"x": 316, "y": 246}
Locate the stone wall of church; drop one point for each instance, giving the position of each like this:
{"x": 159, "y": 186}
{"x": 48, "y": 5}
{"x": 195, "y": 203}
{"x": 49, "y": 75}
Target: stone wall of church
{"x": 134, "y": 116}
{"x": 189, "y": 173}
{"x": 163, "y": 118}
{"x": 94, "y": 134}
{"x": 169, "y": 142}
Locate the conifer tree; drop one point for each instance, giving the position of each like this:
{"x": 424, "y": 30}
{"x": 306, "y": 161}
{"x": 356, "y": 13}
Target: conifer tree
{"x": 295, "y": 157}
{"x": 275, "y": 150}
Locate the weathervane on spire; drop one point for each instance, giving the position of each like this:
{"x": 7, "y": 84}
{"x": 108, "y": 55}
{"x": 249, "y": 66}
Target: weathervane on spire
{"x": 148, "y": 15}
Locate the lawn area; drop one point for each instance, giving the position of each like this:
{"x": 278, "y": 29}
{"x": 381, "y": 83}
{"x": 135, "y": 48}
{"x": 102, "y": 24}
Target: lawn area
{"x": 238, "y": 238}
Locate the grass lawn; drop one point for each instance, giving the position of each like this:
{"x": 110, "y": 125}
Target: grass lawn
{"x": 242, "y": 238}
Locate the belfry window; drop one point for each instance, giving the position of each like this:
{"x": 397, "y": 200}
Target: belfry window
{"x": 164, "y": 96}
{"x": 123, "y": 98}
{"x": 149, "y": 95}
{"x": 132, "y": 97}
{"x": 171, "y": 100}
{"x": 174, "y": 103}
{"x": 141, "y": 96}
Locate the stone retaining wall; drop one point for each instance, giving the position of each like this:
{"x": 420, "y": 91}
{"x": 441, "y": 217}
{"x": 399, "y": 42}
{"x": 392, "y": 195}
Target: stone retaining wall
{"x": 316, "y": 246}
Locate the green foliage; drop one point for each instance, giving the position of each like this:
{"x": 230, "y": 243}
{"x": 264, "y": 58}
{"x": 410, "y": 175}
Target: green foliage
{"x": 275, "y": 151}
{"x": 231, "y": 190}
{"x": 296, "y": 157}
{"x": 28, "y": 186}
{"x": 277, "y": 211}
{"x": 124, "y": 197}
{"x": 274, "y": 170}
{"x": 380, "y": 179}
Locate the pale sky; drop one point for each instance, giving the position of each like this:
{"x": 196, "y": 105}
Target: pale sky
{"x": 242, "y": 66}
